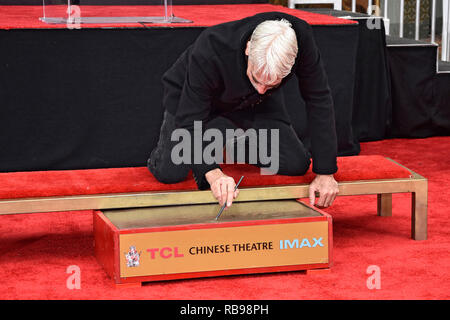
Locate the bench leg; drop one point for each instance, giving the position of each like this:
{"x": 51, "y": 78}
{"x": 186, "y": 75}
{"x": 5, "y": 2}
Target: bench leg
{"x": 384, "y": 204}
{"x": 419, "y": 209}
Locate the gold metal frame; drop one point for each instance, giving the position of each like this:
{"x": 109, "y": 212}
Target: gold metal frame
{"x": 416, "y": 185}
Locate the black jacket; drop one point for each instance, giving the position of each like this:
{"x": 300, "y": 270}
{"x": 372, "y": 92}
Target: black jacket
{"x": 211, "y": 75}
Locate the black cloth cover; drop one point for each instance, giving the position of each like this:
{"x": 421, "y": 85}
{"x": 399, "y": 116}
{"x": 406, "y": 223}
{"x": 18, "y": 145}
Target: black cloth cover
{"x": 91, "y": 98}
{"x": 412, "y": 71}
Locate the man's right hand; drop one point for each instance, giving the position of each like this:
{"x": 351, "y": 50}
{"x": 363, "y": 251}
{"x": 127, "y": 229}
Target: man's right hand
{"x": 222, "y": 186}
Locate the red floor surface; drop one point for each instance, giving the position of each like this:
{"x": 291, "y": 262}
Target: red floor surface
{"x": 37, "y": 249}
{"x": 27, "y": 17}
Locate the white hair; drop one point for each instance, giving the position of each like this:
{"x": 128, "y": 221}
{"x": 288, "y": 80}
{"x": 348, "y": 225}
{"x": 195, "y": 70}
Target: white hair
{"x": 273, "y": 49}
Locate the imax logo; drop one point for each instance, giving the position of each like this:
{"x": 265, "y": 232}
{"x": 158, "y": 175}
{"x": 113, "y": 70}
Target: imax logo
{"x": 296, "y": 243}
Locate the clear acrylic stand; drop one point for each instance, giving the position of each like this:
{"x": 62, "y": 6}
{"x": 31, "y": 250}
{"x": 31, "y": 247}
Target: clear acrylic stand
{"x": 83, "y": 12}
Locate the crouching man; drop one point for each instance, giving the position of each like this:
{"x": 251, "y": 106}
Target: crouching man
{"x": 233, "y": 77}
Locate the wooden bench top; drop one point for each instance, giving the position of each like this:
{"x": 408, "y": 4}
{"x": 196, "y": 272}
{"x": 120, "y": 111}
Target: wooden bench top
{"x": 120, "y": 188}
{"x": 36, "y": 184}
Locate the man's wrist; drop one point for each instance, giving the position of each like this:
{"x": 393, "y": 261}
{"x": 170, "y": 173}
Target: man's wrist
{"x": 213, "y": 175}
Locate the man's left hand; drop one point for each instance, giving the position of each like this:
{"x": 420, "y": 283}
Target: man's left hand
{"x": 327, "y": 188}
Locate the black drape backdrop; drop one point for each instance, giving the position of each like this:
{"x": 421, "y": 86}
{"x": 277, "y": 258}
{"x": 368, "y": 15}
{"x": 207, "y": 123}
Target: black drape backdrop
{"x": 412, "y": 72}
{"x": 83, "y": 99}
{"x": 441, "y": 111}
{"x": 338, "y": 46}
{"x": 420, "y": 95}
{"x": 91, "y": 98}
{"x": 372, "y": 104}
{"x": 372, "y": 100}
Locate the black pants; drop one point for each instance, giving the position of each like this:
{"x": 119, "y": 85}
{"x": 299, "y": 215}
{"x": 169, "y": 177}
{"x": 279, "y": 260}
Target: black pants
{"x": 294, "y": 158}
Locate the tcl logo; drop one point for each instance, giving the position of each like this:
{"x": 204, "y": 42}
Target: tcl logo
{"x": 165, "y": 253}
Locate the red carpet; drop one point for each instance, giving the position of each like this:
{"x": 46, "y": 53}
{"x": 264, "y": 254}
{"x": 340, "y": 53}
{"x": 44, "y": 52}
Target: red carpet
{"x": 37, "y": 249}
{"x": 27, "y": 17}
